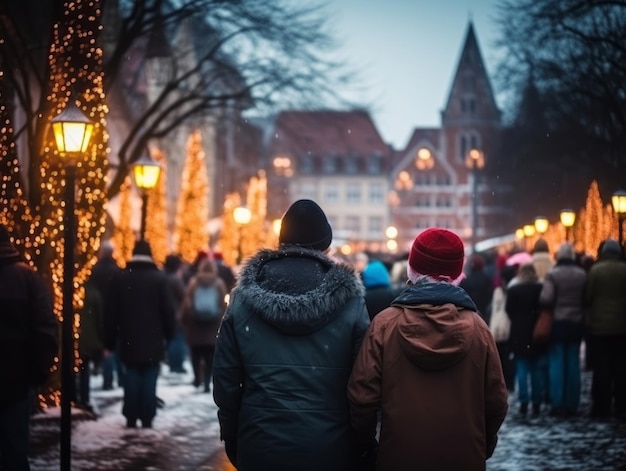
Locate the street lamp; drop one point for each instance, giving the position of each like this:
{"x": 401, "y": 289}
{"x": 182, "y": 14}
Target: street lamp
{"x": 475, "y": 160}
{"x": 391, "y": 233}
{"x": 568, "y": 217}
{"x": 146, "y": 172}
{"x": 541, "y": 224}
{"x": 72, "y": 133}
{"x": 242, "y": 216}
{"x": 619, "y": 206}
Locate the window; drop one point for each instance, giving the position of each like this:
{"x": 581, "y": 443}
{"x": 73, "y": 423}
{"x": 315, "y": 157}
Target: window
{"x": 376, "y": 193}
{"x": 468, "y": 141}
{"x": 374, "y": 164}
{"x": 331, "y": 193}
{"x": 330, "y": 164}
{"x": 353, "y": 193}
{"x": 351, "y": 165}
{"x": 306, "y": 164}
{"x": 308, "y": 191}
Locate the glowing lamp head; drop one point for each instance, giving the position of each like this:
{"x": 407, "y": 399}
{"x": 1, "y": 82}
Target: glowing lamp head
{"x": 568, "y": 217}
{"x": 146, "y": 172}
{"x": 618, "y": 200}
{"x": 72, "y": 130}
{"x": 541, "y": 224}
{"x": 242, "y": 215}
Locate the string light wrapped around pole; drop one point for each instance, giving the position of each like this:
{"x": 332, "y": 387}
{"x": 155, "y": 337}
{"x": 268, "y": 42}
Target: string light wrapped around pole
{"x": 72, "y": 133}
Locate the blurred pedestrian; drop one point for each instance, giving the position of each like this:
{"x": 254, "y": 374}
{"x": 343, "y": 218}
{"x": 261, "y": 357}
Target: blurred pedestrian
{"x": 541, "y": 259}
{"x": 28, "y": 345}
{"x": 522, "y": 307}
{"x": 140, "y": 315}
{"x": 105, "y": 269}
{"x": 378, "y": 290}
{"x": 478, "y": 285}
{"x": 500, "y": 324}
{"x": 562, "y": 293}
{"x": 285, "y": 351}
{"x": 90, "y": 342}
{"x": 430, "y": 364}
{"x": 605, "y": 294}
{"x": 177, "y": 347}
{"x": 224, "y": 271}
{"x": 201, "y": 333}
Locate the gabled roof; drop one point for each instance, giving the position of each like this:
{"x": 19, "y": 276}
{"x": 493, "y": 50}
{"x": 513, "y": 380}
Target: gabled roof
{"x": 327, "y": 132}
{"x": 419, "y": 136}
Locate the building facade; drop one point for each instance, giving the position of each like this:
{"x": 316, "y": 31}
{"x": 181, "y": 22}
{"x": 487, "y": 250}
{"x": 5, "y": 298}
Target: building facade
{"x": 441, "y": 178}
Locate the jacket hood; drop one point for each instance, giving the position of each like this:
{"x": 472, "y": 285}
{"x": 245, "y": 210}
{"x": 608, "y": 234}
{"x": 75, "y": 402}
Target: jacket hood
{"x": 435, "y": 329}
{"x": 297, "y": 290}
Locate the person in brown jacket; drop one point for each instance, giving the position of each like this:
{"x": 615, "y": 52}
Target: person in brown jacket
{"x": 201, "y": 333}
{"x": 430, "y": 365}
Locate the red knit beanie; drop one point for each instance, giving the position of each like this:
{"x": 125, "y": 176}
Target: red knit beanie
{"x": 438, "y": 253}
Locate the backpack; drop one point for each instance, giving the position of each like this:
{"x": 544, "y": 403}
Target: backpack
{"x": 206, "y": 303}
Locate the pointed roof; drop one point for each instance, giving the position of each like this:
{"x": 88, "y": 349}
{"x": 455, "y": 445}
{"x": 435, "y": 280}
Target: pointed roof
{"x": 328, "y": 132}
{"x": 471, "y": 77}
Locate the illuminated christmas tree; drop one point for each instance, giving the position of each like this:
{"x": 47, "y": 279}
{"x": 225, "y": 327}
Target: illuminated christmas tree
{"x": 124, "y": 236}
{"x": 192, "y": 216}
{"x": 230, "y": 233}
{"x": 156, "y": 222}
{"x": 592, "y": 226}
{"x": 14, "y": 211}
{"x": 255, "y": 235}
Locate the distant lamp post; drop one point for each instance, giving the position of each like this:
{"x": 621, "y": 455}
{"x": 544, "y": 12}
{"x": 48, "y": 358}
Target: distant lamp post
{"x": 519, "y": 234}
{"x": 242, "y": 216}
{"x": 146, "y": 172}
{"x": 529, "y": 231}
{"x": 541, "y": 224}
{"x": 618, "y": 199}
{"x": 475, "y": 161}
{"x": 391, "y": 233}
{"x": 72, "y": 133}
{"x": 568, "y": 217}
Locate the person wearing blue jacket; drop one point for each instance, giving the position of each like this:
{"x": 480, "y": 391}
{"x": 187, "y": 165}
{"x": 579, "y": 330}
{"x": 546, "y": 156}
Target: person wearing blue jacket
{"x": 285, "y": 351}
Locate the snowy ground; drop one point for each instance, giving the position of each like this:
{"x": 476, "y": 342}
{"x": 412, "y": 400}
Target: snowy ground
{"x": 185, "y": 436}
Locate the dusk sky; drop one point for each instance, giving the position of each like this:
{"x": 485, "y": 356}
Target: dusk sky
{"x": 406, "y": 52}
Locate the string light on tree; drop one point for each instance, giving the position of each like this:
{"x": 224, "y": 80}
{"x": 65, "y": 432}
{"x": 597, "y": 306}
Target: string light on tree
{"x": 192, "y": 215}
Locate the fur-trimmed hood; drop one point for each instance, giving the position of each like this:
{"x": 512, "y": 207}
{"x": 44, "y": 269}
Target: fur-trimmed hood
{"x": 297, "y": 290}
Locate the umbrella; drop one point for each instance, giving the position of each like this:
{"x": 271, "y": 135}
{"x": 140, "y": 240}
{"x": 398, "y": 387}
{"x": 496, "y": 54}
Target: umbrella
{"x": 519, "y": 258}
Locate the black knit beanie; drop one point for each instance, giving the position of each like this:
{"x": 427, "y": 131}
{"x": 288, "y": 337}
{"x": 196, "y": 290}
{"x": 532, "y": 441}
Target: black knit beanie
{"x": 305, "y": 224}
{"x": 142, "y": 247}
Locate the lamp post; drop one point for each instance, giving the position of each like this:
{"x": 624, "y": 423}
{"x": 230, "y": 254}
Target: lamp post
{"x": 146, "y": 172}
{"x": 242, "y": 216}
{"x": 618, "y": 199}
{"x": 391, "y": 233}
{"x": 475, "y": 160}
{"x": 568, "y": 217}
{"x": 541, "y": 225}
{"x": 72, "y": 132}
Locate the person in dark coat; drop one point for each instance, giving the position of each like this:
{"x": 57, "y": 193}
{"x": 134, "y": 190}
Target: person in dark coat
{"x": 224, "y": 271}
{"x": 522, "y": 307}
{"x": 177, "y": 348}
{"x": 605, "y": 296}
{"x": 90, "y": 341}
{"x": 429, "y": 364}
{"x": 378, "y": 290}
{"x": 285, "y": 350}
{"x": 105, "y": 269}
{"x": 201, "y": 335}
{"x": 141, "y": 314}
{"x": 28, "y": 345}
{"x": 479, "y": 286}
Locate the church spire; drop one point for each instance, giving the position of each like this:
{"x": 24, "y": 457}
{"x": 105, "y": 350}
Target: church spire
{"x": 471, "y": 96}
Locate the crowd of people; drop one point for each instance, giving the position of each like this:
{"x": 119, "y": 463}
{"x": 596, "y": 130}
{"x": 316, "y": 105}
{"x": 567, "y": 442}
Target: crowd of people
{"x": 582, "y": 302}
{"x": 345, "y": 363}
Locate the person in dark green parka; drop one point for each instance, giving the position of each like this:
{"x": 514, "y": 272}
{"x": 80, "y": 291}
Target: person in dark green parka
{"x": 285, "y": 351}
